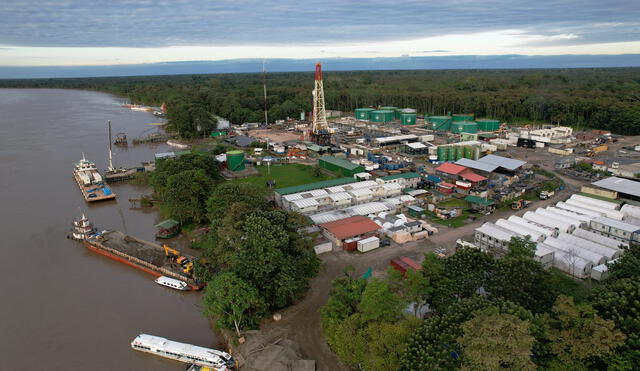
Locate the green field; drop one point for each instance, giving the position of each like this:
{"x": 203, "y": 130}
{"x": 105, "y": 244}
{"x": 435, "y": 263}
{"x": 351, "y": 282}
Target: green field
{"x": 453, "y": 202}
{"x": 285, "y": 175}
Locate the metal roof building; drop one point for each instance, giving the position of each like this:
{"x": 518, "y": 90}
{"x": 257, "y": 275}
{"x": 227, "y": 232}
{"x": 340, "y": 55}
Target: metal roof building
{"x": 349, "y": 227}
{"x": 503, "y": 162}
{"x": 473, "y": 164}
{"x": 616, "y": 229}
{"x": 316, "y": 185}
{"x": 627, "y": 187}
{"x": 339, "y": 165}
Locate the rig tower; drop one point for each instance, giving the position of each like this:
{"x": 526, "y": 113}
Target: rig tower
{"x": 319, "y": 127}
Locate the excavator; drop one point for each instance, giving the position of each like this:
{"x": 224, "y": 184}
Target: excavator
{"x": 519, "y": 204}
{"x": 175, "y": 255}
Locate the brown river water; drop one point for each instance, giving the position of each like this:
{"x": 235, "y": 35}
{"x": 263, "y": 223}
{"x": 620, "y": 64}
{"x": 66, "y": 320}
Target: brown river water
{"x": 63, "y": 307}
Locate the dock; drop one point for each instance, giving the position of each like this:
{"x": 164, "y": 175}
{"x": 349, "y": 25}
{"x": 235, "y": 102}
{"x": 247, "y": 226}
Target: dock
{"x": 153, "y": 138}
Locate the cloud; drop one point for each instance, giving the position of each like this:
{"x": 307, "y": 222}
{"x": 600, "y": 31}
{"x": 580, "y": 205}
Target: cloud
{"x": 125, "y": 23}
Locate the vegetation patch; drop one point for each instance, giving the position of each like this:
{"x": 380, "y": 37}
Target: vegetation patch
{"x": 285, "y": 175}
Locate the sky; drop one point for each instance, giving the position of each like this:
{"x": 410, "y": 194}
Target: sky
{"x": 115, "y": 32}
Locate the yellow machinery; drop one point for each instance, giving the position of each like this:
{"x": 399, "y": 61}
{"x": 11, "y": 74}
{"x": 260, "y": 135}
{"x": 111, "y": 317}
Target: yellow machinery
{"x": 519, "y": 204}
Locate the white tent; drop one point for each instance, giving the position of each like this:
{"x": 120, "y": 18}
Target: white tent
{"x": 594, "y": 201}
{"x": 517, "y": 228}
{"x": 613, "y": 214}
{"x": 534, "y": 226}
{"x": 631, "y": 210}
{"x": 562, "y": 226}
{"x": 571, "y": 249}
{"x": 595, "y": 247}
{"x": 571, "y": 214}
{"x": 598, "y": 238}
{"x": 569, "y": 263}
{"x": 559, "y": 218}
{"x": 577, "y": 209}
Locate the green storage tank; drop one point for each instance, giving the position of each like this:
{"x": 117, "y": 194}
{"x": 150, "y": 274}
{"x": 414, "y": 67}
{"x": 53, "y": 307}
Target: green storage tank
{"x": 476, "y": 152}
{"x": 382, "y": 115}
{"x": 488, "y": 125}
{"x": 408, "y": 118}
{"x": 442, "y": 153}
{"x": 442, "y": 123}
{"x": 462, "y": 117}
{"x": 468, "y": 152}
{"x": 456, "y": 127}
{"x": 469, "y": 127}
{"x": 459, "y": 152}
{"x": 399, "y": 112}
{"x": 363, "y": 113}
{"x": 451, "y": 153}
{"x": 235, "y": 160}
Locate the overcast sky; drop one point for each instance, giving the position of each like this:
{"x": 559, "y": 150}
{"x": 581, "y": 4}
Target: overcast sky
{"x": 106, "y": 32}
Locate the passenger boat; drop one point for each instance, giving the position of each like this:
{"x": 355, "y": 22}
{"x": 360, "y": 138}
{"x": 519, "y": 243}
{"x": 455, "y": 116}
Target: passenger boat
{"x": 218, "y": 360}
{"x": 172, "y": 282}
{"x": 90, "y": 181}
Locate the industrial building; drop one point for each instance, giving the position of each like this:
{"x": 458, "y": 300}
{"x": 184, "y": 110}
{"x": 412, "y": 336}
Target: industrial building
{"x": 339, "y": 166}
{"x": 626, "y": 188}
{"x": 355, "y": 226}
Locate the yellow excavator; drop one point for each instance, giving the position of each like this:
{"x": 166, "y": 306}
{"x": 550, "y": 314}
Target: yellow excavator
{"x": 185, "y": 263}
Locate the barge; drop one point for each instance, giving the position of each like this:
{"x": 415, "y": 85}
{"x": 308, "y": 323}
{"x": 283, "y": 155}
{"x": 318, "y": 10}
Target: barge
{"x": 146, "y": 256}
{"x": 90, "y": 182}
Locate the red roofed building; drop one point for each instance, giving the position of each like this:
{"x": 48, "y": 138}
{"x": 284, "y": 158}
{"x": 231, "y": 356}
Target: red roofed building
{"x": 472, "y": 177}
{"x": 355, "y": 226}
{"x": 448, "y": 169}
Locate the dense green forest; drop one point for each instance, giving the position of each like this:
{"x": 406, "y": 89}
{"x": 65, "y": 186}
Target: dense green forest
{"x": 602, "y": 98}
{"x": 487, "y": 313}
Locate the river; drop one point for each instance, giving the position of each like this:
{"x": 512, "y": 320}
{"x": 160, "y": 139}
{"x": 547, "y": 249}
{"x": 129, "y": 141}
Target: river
{"x": 64, "y": 307}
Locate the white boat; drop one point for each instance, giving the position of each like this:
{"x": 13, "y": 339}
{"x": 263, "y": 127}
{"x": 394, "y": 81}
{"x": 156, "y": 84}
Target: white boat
{"x": 172, "y": 282}
{"x": 220, "y": 361}
{"x": 82, "y": 228}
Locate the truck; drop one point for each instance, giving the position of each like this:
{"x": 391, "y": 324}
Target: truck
{"x": 519, "y": 204}
{"x": 546, "y": 194}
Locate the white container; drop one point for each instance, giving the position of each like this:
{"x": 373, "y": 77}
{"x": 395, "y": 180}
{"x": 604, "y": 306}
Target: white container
{"x": 368, "y": 244}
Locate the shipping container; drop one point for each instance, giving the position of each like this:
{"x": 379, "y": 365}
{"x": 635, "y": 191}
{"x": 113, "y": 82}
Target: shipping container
{"x": 368, "y": 244}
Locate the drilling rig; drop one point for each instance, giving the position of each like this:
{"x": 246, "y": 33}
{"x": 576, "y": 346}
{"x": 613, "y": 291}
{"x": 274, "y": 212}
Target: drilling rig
{"x": 319, "y": 127}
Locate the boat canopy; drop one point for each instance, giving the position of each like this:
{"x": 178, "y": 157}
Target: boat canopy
{"x": 167, "y": 224}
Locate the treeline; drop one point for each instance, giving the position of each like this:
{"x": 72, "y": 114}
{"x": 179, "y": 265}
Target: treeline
{"x": 253, "y": 259}
{"x": 472, "y": 311}
{"x": 600, "y": 98}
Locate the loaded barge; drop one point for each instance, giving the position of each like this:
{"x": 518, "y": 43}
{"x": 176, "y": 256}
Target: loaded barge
{"x": 90, "y": 182}
{"x": 144, "y": 255}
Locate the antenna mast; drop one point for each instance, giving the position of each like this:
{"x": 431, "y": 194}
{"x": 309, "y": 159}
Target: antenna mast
{"x": 110, "y": 156}
{"x": 319, "y": 126}
{"x": 264, "y": 85}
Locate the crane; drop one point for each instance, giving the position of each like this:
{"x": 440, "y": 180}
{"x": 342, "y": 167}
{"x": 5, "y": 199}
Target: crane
{"x": 319, "y": 127}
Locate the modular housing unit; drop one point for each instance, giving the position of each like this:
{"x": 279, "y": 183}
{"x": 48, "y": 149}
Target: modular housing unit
{"x": 598, "y": 238}
{"x": 491, "y": 236}
{"x": 368, "y": 244}
{"x": 544, "y": 256}
{"x": 616, "y": 229}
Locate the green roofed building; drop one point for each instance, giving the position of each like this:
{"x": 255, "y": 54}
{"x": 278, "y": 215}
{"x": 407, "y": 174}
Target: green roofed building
{"x": 479, "y": 203}
{"x": 316, "y": 185}
{"x": 340, "y": 166}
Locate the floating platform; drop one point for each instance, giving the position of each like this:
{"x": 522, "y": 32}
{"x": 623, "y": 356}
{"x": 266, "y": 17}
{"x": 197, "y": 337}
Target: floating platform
{"x": 92, "y": 192}
{"x": 143, "y": 255}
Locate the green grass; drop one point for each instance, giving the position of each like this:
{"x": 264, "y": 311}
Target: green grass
{"x": 285, "y": 175}
{"x": 453, "y": 202}
{"x": 566, "y": 285}
{"x": 453, "y": 223}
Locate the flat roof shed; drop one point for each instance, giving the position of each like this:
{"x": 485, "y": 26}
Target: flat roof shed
{"x": 350, "y": 227}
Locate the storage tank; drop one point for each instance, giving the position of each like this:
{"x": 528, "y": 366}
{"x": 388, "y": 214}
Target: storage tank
{"x": 468, "y": 152}
{"x": 546, "y": 231}
{"x": 462, "y": 117}
{"x": 443, "y": 153}
{"x": 598, "y": 238}
{"x": 595, "y": 247}
{"x": 442, "y": 123}
{"x": 593, "y": 201}
{"x": 408, "y": 118}
{"x": 488, "y": 125}
{"x": 476, "y": 152}
{"x": 457, "y": 126}
{"x": 469, "y": 127}
{"x": 363, "y": 113}
{"x": 235, "y": 160}
{"x": 399, "y": 112}
{"x": 381, "y": 116}
{"x": 594, "y": 258}
{"x": 459, "y": 152}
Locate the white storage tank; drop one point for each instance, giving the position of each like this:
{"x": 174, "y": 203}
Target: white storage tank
{"x": 577, "y": 209}
{"x": 548, "y": 232}
{"x": 513, "y": 227}
{"x": 598, "y": 238}
{"x": 570, "y": 249}
{"x": 594, "y": 201}
{"x": 368, "y": 244}
{"x": 570, "y": 264}
{"x": 548, "y": 222}
{"x": 582, "y": 243}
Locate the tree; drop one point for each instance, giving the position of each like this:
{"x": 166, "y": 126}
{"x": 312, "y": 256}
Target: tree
{"x": 577, "y": 334}
{"x": 493, "y": 341}
{"x": 185, "y": 195}
{"x": 234, "y": 302}
{"x": 628, "y": 265}
{"x": 173, "y": 166}
{"x": 521, "y": 247}
{"x": 379, "y": 302}
{"x": 228, "y": 193}
{"x": 386, "y": 342}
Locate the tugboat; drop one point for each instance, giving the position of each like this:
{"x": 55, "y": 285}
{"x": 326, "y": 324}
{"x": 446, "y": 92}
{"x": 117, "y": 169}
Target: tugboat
{"x": 82, "y": 229}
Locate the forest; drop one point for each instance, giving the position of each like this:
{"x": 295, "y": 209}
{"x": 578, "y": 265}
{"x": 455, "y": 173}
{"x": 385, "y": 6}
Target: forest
{"x": 473, "y": 311}
{"x": 595, "y": 98}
